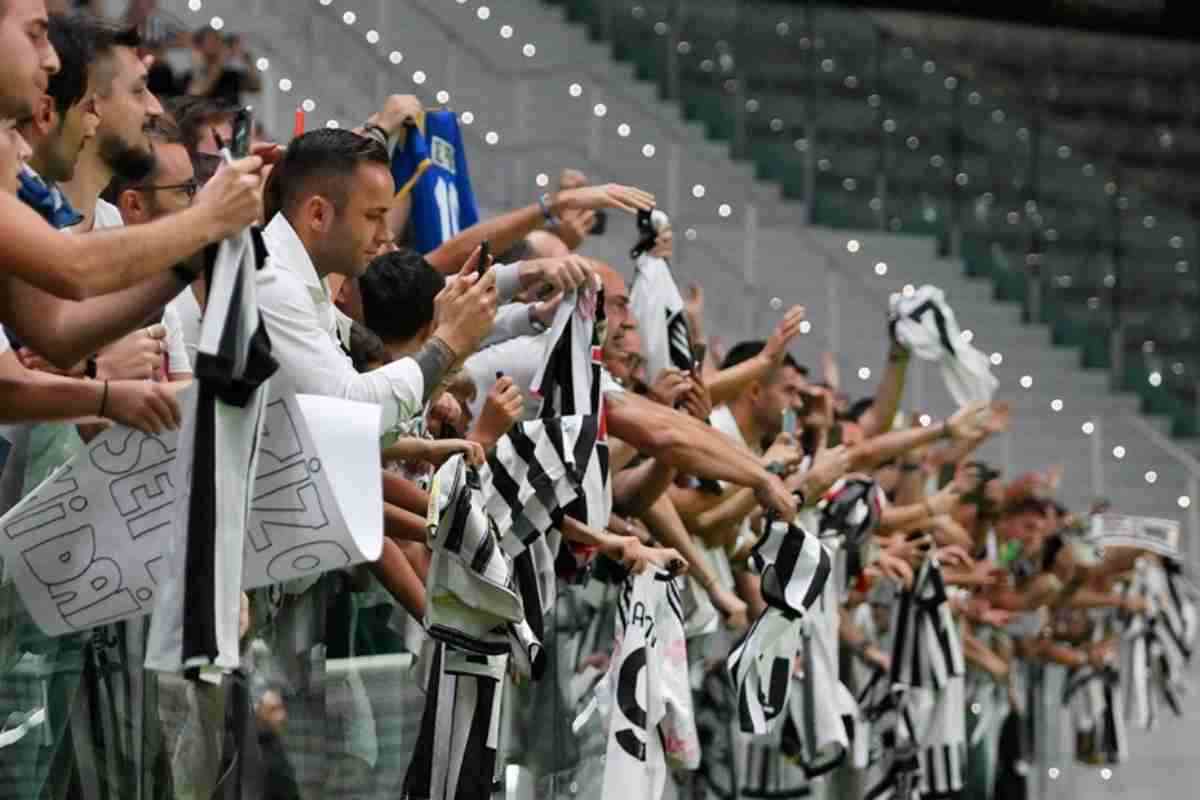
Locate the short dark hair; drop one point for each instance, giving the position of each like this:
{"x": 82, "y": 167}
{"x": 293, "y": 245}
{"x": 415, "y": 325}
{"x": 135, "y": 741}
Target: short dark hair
{"x": 858, "y": 408}
{"x": 80, "y": 41}
{"x": 744, "y": 351}
{"x": 194, "y": 114}
{"x": 319, "y": 162}
{"x": 366, "y": 348}
{"x": 397, "y": 290}
{"x": 74, "y": 39}
{"x": 162, "y": 131}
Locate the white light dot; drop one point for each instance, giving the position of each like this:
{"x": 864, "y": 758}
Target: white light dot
{"x": 217, "y": 23}
{"x": 333, "y": 123}
{"x": 285, "y": 85}
{"x": 698, "y": 191}
{"x": 419, "y": 77}
{"x": 967, "y": 336}
{"x": 443, "y": 97}
{"x": 623, "y": 130}
{"x": 349, "y": 17}
{"x": 776, "y": 303}
{"x": 724, "y": 209}
{"x": 542, "y": 179}
{"x": 506, "y": 31}
{"x": 690, "y": 234}
{"x": 326, "y": 2}
{"x": 909, "y": 290}
{"x": 1053, "y": 773}
{"x": 805, "y": 327}
{"x": 599, "y": 109}
{"x": 467, "y": 118}
{"x": 881, "y": 269}
{"x": 997, "y": 359}
{"x": 1151, "y": 476}
{"x": 529, "y": 50}
{"x": 648, "y": 150}
{"x": 1184, "y": 501}
{"x": 852, "y": 246}
{"x": 1088, "y": 428}
{"x": 395, "y": 56}
{"x": 976, "y": 708}
{"x": 195, "y": 5}
{"x": 1106, "y": 774}
{"x": 1155, "y": 378}
{"x": 575, "y": 90}
{"x": 1056, "y": 404}
{"x": 373, "y": 36}
{"x": 925, "y": 420}
{"x": 308, "y": 105}
{"x": 263, "y": 65}
{"x": 1026, "y": 381}
{"x": 1119, "y": 452}
{"x": 491, "y": 137}
{"x": 864, "y": 373}
{"x": 483, "y": 12}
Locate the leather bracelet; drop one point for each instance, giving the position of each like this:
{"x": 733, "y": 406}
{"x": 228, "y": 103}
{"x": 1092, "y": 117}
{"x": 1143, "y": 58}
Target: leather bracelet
{"x": 103, "y": 400}
{"x": 376, "y": 132}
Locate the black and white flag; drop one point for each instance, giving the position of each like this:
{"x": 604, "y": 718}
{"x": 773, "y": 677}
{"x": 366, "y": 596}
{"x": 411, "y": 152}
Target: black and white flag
{"x": 794, "y": 567}
{"x": 657, "y": 305}
{"x": 924, "y": 323}
{"x": 195, "y": 623}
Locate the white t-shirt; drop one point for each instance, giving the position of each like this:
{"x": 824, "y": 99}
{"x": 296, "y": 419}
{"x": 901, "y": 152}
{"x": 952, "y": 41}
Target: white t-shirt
{"x": 187, "y": 312}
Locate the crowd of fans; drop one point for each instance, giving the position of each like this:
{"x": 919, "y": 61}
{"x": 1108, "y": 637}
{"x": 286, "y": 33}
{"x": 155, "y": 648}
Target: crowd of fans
{"x": 949, "y": 585}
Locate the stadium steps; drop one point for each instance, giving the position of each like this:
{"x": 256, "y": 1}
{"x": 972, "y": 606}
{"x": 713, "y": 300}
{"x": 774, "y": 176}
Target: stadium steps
{"x": 794, "y": 263}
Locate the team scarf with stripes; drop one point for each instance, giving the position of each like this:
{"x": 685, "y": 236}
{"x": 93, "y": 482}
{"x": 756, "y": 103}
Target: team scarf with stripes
{"x": 924, "y": 324}
{"x": 455, "y": 754}
{"x": 645, "y": 698}
{"x": 926, "y": 729}
{"x": 569, "y": 384}
{"x": 1155, "y": 645}
{"x": 657, "y": 305}
{"x": 196, "y": 621}
{"x": 537, "y": 471}
{"x": 794, "y": 567}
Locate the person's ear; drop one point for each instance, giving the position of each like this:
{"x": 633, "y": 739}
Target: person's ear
{"x": 132, "y": 205}
{"x": 319, "y": 214}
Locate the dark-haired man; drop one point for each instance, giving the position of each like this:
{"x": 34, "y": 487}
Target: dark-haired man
{"x": 328, "y": 200}
{"x": 27, "y": 59}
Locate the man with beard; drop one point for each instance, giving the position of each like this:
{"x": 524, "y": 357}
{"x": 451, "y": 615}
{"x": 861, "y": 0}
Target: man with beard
{"x": 121, "y": 146}
{"x": 76, "y": 268}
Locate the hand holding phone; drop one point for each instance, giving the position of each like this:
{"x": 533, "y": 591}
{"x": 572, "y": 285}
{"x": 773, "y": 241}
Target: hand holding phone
{"x": 485, "y": 257}
{"x": 243, "y": 133}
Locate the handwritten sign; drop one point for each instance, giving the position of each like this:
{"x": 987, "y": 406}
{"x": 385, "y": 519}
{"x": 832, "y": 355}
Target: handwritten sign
{"x": 1159, "y": 536}
{"x": 89, "y": 545}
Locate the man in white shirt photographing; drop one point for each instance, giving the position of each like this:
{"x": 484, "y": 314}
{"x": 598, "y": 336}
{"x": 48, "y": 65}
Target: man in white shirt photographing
{"x": 327, "y": 202}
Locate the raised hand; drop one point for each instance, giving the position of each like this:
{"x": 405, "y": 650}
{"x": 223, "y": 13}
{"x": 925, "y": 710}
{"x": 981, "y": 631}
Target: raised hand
{"x": 466, "y": 309}
{"x": 501, "y": 410}
{"x": 787, "y": 330}
{"x": 609, "y": 195}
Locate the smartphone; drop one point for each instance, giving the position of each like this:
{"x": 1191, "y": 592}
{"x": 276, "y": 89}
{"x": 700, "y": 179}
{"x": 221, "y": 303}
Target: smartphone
{"x": 243, "y": 132}
{"x": 790, "y": 421}
{"x": 485, "y": 257}
{"x": 601, "y": 223}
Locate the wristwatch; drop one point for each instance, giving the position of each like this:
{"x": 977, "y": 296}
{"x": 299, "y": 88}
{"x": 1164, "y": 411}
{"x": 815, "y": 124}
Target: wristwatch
{"x": 545, "y": 202}
{"x": 535, "y": 323}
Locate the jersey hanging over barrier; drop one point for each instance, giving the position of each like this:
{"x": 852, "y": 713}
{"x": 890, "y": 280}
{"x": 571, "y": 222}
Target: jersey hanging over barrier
{"x": 430, "y": 161}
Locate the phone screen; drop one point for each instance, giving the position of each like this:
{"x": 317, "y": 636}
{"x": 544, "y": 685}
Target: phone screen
{"x": 485, "y": 257}
{"x": 243, "y": 132}
{"x": 789, "y": 421}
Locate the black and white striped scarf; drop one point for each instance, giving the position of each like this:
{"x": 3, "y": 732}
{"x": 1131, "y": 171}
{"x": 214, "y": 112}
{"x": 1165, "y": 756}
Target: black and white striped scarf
{"x": 927, "y": 730}
{"x": 794, "y": 567}
{"x": 535, "y": 473}
{"x": 195, "y": 623}
{"x": 569, "y": 383}
{"x": 657, "y": 305}
{"x": 455, "y": 753}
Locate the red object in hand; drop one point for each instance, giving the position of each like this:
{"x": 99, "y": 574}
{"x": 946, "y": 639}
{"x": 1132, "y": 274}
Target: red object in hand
{"x": 298, "y": 130}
